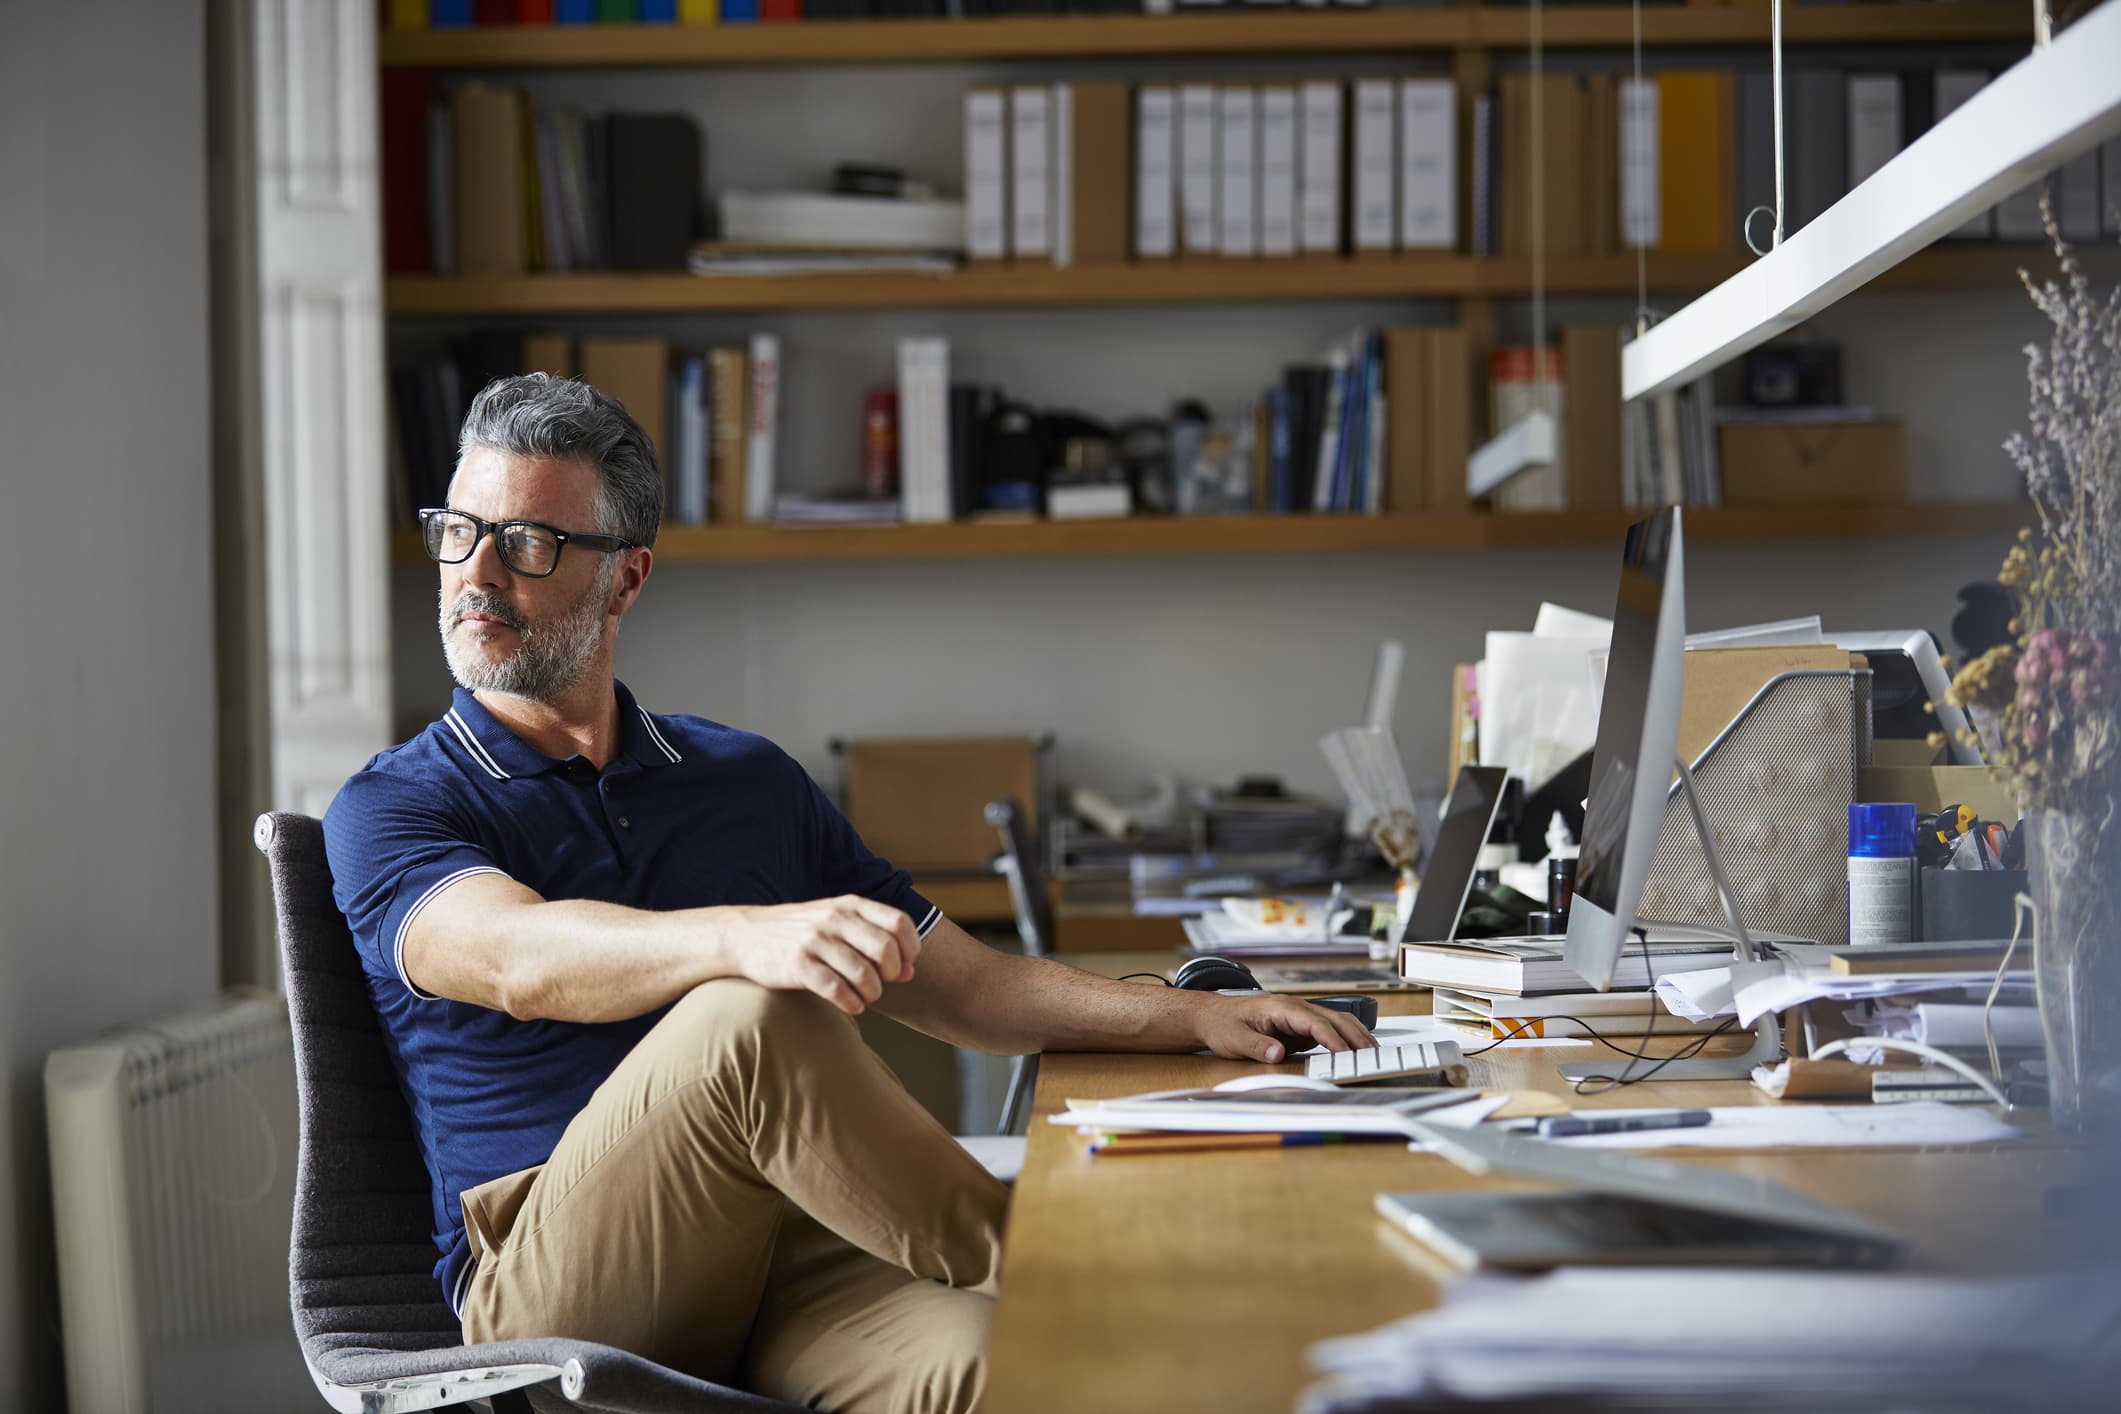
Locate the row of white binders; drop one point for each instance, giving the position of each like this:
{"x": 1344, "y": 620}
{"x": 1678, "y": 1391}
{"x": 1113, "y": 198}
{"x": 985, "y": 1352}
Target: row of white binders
{"x": 1102, "y": 172}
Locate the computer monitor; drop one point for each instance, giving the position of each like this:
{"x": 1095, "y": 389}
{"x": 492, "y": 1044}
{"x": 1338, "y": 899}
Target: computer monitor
{"x": 1638, "y": 739}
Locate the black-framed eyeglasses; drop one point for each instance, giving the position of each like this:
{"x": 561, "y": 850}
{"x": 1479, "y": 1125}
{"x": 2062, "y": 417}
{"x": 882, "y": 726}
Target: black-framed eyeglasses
{"x": 527, "y": 547}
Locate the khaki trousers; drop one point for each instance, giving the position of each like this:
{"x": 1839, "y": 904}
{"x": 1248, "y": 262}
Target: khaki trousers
{"x": 752, "y": 1197}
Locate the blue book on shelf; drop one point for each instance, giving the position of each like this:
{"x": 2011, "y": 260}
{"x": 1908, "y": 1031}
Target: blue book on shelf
{"x": 1343, "y": 468}
{"x": 740, "y": 12}
{"x": 449, "y": 14}
{"x": 659, "y": 12}
{"x": 574, "y": 12}
{"x": 1375, "y": 412}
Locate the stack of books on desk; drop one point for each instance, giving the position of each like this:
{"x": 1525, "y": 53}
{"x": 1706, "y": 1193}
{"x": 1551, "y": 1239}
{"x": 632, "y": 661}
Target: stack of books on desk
{"x": 1527, "y": 967}
{"x": 1493, "y": 1016}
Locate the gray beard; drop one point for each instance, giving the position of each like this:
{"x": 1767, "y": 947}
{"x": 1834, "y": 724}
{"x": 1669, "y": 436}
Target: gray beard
{"x": 553, "y": 656}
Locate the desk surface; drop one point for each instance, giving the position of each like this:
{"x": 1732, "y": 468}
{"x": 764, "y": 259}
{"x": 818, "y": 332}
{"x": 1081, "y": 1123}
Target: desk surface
{"x": 1196, "y": 1281}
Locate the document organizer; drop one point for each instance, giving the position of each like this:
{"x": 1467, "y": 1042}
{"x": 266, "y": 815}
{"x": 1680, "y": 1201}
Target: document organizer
{"x": 1775, "y": 786}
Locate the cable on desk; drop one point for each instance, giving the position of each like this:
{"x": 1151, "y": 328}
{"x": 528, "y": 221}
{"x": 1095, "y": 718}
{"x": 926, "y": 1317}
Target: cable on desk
{"x": 1687, "y": 1052}
{"x": 1588, "y": 1030}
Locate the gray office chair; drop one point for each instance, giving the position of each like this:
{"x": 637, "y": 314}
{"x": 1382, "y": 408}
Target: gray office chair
{"x": 374, "y": 1330}
{"x": 1032, "y": 903}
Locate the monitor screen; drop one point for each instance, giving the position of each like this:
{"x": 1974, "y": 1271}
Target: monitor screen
{"x": 1638, "y": 733}
{"x": 1468, "y": 815}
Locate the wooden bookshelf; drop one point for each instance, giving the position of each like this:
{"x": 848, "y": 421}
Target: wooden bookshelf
{"x": 1157, "y": 36}
{"x": 1440, "y": 276}
{"x": 1301, "y": 534}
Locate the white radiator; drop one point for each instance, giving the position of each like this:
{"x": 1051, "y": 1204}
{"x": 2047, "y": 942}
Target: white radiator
{"x": 173, "y": 1167}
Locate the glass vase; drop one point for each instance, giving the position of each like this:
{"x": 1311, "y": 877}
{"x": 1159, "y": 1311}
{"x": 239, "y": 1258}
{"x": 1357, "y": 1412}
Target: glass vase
{"x": 2075, "y": 879}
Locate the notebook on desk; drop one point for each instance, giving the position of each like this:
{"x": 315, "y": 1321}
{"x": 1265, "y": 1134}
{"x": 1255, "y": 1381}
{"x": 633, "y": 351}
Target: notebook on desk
{"x": 1622, "y": 1208}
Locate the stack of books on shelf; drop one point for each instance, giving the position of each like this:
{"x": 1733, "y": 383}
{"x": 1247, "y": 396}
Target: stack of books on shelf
{"x": 481, "y": 183}
{"x": 1675, "y": 162}
{"x": 1100, "y": 172}
{"x": 713, "y": 416}
{"x": 465, "y": 14}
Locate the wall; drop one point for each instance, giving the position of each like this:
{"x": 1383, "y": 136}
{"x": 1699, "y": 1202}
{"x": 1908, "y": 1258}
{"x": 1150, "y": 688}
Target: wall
{"x": 1204, "y": 666}
{"x": 107, "y": 849}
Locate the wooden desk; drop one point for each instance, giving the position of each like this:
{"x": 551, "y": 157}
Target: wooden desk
{"x": 1196, "y": 1281}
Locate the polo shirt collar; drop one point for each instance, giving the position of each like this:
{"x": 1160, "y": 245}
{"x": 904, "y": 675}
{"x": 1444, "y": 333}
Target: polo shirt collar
{"x": 503, "y": 755}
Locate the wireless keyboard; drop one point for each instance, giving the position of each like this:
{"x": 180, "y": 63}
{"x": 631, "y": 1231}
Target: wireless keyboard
{"x": 1419, "y": 1062}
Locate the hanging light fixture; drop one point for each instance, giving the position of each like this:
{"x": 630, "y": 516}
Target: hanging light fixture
{"x": 2058, "y": 103}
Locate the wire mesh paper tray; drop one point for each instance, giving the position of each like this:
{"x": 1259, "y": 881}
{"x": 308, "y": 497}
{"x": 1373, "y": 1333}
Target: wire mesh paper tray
{"x": 1775, "y": 785}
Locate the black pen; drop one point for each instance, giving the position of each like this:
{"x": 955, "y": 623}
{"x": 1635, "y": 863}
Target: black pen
{"x": 1568, "y": 1126}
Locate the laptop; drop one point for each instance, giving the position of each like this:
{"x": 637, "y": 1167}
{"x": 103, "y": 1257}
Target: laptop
{"x": 1468, "y": 818}
{"x": 1621, "y": 1208}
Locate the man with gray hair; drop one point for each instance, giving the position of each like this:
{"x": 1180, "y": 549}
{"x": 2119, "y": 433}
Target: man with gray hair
{"x": 615, "y": 954}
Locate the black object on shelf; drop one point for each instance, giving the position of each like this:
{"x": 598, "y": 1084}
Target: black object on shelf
{"x": 654, "y": 166}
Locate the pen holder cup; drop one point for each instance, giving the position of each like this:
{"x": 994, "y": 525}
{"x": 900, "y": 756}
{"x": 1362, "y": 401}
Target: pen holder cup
{"x": 1966, "y": 905}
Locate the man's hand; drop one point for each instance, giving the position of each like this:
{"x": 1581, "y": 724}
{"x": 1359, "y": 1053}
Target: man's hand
{"x": 844, "y": 949}
{"x": 1269, "y": 1028}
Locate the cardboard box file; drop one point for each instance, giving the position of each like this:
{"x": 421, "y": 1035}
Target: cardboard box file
{"x": 1767, "y": 463}
{"x": 920, "y": 802}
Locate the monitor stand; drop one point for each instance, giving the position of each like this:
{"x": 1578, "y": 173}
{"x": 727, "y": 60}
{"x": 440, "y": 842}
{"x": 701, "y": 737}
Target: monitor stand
{"x": 1766, "y": 1048}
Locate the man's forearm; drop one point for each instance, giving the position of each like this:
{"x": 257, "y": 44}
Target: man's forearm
{"x": 578, "y": 960}
{"x": 970, "y": 995}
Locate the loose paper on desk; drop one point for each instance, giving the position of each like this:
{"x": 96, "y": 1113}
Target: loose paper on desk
{"x": 1537, "y": 708}
{"x": 1916, "y": 1124}
{"x": 1751, "y": 990}
{"x": 1707, "y": 1338}
{"x": 1950, "y": 1025}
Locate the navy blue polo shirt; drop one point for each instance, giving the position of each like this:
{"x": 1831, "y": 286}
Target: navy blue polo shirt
{"x": 687, "y": 814}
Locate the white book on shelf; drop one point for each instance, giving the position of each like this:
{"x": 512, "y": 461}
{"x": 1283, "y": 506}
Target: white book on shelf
{"x": 1874, "y": 124}
{"x": 1321, "y": 196}
{"x": 1061, "y": 185}
{"x": 1155, "y": 173}
{"x": 1375, "y": 225}
{"x": 1950, "y": 88}
{"x": 829, "y": 220}
{"x": 924, "y": 430}
{"x": 1641, "y": 214}
{"x": 1030, "y": 172}
{"x": 1428, "y": 164}
{"x": 1237, "y": 148}
{"x": 764, "y": 412}
{"x": 1277, "y": 170}
{"x": 1198, "y": 166}
{"x": 986, "y": 174}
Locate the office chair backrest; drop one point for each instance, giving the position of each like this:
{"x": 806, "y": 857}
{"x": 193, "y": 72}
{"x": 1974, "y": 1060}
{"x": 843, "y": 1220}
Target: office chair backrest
{"x": 360, "y": 1270}
{"x": 1028, "y": 895}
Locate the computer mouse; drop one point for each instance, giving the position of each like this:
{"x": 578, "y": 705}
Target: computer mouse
{"x": 1362, "y": 1008}
{"x": 1274, "y": 1082}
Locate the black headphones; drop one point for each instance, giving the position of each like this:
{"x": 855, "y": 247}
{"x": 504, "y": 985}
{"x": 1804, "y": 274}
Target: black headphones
{"x": 1214, "y": 974}
{"x": 1220, "y": 974}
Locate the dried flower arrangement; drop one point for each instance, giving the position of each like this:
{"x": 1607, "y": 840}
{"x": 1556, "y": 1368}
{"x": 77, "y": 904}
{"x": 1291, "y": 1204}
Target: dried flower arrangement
{"x": 2048, "y": 705}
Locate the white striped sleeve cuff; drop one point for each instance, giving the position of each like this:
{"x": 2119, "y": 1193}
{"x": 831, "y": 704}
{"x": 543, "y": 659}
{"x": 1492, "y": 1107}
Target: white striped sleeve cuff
{"x": 397, "y": 947}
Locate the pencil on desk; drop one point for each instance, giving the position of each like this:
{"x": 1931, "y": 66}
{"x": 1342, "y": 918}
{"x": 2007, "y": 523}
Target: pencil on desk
{"x": 1186, "y": 1143}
